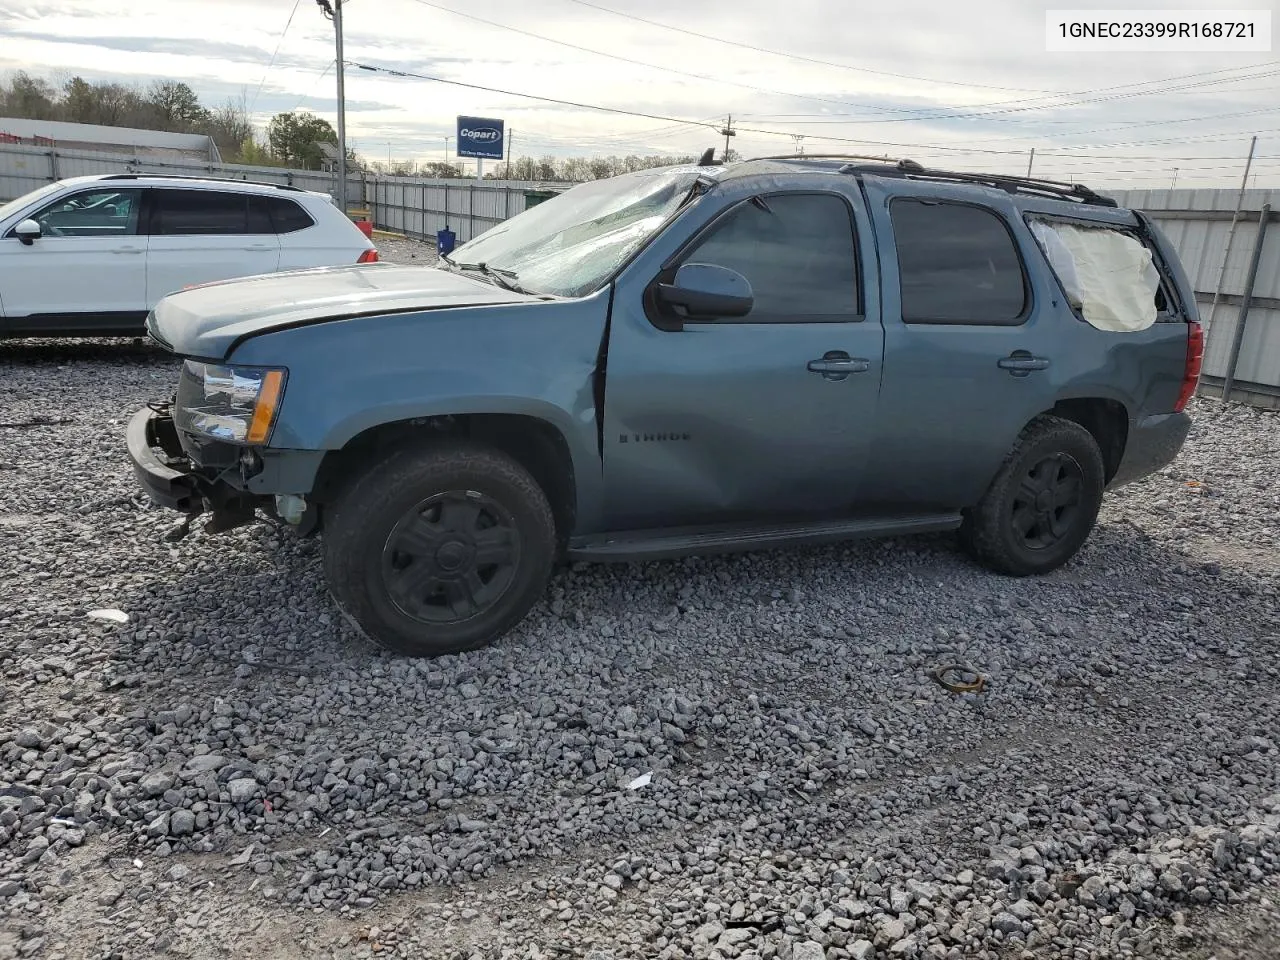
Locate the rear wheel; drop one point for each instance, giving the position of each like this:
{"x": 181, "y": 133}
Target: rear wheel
{"x": 1043, "y": 504}
{"x": 440, "y": 549}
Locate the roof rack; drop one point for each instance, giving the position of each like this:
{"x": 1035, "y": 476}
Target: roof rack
{"x": 188, "y": 176}
{"x": 1054, "y": 189}
{"x": 826, "y": 156}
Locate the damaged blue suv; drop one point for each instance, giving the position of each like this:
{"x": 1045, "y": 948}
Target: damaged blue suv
{"x": 698, "y": 358}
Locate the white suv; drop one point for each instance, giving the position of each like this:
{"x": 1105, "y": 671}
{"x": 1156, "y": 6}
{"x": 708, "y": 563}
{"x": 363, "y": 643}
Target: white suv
{"x": 90, "y": 256}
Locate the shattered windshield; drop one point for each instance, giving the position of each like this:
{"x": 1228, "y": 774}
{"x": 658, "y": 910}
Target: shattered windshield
{"x": 568, "y": 245}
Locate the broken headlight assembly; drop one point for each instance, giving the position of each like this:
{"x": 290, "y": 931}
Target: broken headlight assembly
{"x": 233, "y": 404}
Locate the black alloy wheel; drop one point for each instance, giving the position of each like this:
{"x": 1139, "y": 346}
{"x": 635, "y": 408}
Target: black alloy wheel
{"x": 451, "y": 557}
{"x": 1047, "y": 502}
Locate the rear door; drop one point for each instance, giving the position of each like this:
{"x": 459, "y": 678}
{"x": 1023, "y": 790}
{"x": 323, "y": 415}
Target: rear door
{"x": 86, "y": 273}
{"x": 198, "y": 236}
{"x": 975, "y": 347}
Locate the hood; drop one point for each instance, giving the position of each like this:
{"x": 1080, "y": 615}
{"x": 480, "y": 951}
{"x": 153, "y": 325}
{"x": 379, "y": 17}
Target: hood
{"x": 205, "y": 321}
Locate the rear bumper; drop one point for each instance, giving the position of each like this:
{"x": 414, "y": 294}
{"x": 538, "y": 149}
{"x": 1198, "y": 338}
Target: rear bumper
{"x": 1153, "y": 443}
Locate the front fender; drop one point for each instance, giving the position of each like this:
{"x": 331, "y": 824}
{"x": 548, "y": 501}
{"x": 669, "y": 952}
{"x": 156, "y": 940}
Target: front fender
{"x": 531, "y": 359}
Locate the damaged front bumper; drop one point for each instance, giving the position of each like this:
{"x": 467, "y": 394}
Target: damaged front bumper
{"x": 171, "y": 480}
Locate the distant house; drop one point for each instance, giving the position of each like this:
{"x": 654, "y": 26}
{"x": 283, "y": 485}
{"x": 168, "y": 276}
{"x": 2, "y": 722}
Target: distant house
{"x": 91, "y": 137}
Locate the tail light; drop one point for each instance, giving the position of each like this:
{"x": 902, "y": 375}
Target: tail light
{"x": 1195, "y": 361}
{"x": 369, "y": 256}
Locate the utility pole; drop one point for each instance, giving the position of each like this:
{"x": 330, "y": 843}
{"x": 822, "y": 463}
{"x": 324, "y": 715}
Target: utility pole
{"x": 799, "y": 139}
{"x": 332, "y": 9}
{"x": 1174, "y": 182}
{"x": 511, "y": 136}
{"x": 728, "y": 132}
{"x": 446, "y": 150}
{"x": 1031, "y": 160}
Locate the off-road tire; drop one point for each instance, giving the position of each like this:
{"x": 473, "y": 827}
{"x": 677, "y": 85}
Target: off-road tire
{"x": 989, "y": 533}
{"x": 359, "y": 525}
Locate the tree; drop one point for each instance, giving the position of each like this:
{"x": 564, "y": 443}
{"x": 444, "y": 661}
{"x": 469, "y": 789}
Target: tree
{"x": 29, "y": 97}
{"x": 295, "y": 138}
{"x": 229, "y": 126}
{"x": 252, "y": 153}
{"x": 80, "y": 101}
{"x": 176, "y": 106}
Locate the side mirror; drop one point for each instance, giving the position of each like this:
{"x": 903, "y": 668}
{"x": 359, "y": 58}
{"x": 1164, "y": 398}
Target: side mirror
{"x": 707, "y": 290}
{"x": 28, "y": 231}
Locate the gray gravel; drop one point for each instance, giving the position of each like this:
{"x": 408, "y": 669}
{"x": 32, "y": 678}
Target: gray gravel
{"x": 233, "y": 768}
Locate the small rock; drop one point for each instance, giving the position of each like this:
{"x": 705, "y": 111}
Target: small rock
{"x": 242, "y": 789}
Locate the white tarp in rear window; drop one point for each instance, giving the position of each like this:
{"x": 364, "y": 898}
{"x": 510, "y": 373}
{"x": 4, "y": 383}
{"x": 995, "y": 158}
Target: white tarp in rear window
{"x": 1108, "y": 275}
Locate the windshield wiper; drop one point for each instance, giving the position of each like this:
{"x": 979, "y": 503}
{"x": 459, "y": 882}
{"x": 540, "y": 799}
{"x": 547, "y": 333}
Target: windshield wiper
{"x": 504, "y": 278}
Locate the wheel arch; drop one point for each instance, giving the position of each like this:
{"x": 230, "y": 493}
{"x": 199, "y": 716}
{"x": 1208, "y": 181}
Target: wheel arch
{"x": 536, "y": 444}
{"x": 1107, "y": 421}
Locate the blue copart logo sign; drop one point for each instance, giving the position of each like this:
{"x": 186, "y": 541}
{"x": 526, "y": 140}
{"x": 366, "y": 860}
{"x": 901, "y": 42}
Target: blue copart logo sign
{"x": 480, "y": 137}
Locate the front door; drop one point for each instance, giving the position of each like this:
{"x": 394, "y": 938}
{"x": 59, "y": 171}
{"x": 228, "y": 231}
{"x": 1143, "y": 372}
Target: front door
{"x": 87, "y": 271}
{"x": 765, "y": 417}
{"x": 198, "y": 236}
{"x": 975, "y": 346}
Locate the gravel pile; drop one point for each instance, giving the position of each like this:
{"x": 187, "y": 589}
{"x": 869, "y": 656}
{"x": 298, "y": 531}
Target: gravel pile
{"x": 723, "y": 757}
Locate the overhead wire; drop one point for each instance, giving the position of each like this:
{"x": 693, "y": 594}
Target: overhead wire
{"x": 708, "y": 125}
{"x": 274, "y": 53}
{"x": 1050, "y": 94}
{"x": 999, "y": 108}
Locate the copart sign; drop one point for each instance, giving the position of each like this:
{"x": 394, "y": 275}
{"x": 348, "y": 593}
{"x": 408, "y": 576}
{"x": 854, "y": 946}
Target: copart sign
{"x": 480, "y": 137}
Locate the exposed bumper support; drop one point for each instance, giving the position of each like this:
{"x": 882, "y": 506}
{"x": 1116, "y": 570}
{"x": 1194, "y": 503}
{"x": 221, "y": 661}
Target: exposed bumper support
{"x": 173, "y": 482}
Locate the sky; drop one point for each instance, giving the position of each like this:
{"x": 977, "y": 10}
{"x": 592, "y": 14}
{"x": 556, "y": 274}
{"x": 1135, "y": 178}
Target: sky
{"x": 965, "y": 85}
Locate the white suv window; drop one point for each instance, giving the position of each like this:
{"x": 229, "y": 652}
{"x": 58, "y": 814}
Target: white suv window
{"x": 91, "y": 213}
{"x": 204, "y": 213}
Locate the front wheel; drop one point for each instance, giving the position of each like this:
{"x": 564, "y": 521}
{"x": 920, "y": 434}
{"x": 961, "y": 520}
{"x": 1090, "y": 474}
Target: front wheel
{"x": 1042, "y": 505}
{"x": 440, "y": 549}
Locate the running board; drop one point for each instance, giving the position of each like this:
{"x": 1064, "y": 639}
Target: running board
{"x": 684, "y": 541}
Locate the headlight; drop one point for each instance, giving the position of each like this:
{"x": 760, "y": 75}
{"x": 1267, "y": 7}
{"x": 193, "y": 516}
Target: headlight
{"x": 235, "y": 404}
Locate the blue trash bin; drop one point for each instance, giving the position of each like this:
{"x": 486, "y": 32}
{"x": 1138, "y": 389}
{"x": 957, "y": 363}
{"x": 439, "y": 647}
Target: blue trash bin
{"x": 445, "y": 240}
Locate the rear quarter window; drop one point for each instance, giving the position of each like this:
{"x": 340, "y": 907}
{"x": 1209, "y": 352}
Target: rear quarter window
{"x": 1108, "y": 275}
{"x": 287, "y": 216}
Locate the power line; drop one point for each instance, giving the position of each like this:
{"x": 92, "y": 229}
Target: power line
{"x": 1051, "y": 94}
{"x": 656, "y": 66}
{"x": 323, "y": 73}
{"x": 529, "y": 96}
{"x": 796, "y": 56}
{"x": 272, "y": 63}
{"x": 914, "y": 114}
{"x": 715, "y": 127}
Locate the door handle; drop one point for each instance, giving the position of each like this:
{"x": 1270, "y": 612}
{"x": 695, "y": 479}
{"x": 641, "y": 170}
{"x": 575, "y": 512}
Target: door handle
{"x": 127, "y": 250}
{"x": 837, "y": 365}
{"x": 259, "y": 246}
{"x": 1020, "y": 363}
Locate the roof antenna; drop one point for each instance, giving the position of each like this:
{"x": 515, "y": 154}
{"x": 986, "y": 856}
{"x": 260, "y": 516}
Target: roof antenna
{"x": 708, "y": 158}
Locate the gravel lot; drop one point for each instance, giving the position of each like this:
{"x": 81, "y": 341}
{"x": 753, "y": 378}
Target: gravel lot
{"x": 233, "y": 773}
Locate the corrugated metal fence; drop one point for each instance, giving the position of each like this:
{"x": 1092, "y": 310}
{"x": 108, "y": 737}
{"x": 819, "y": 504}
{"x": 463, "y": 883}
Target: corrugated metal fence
{"x": 1199, "y": 224}
{"x": 421, "y": 208}
{"x": 415, "y": 207}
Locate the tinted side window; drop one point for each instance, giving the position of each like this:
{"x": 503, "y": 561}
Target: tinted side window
{"x": 287, "y": 215}
{"x": 259, "y": 215}
{"x": 956, "y": 264}
{"x": 798, "y": 255}
{"x": 199, "y": 212}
